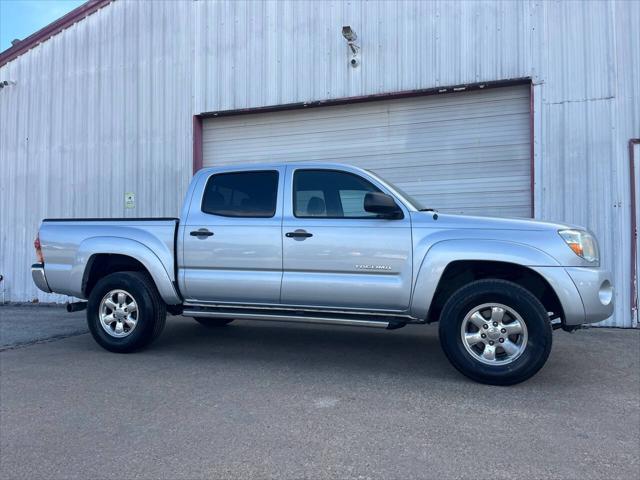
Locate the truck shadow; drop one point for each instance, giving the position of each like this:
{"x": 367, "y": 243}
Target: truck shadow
{"x": 412, "y": 353}
{"x": 283, "y": 345}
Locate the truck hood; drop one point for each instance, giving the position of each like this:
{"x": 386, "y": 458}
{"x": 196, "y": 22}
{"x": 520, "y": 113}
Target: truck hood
{"x": 447, "y": 220}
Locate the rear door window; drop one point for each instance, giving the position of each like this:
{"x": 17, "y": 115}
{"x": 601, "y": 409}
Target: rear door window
{"x": 242, "y": 194}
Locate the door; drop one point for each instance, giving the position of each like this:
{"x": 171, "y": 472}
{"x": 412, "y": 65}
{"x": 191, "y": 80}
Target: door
{"x": 232, "y": 245}
{"x": 337, "y": 255}
{"x": 466, "y": 152}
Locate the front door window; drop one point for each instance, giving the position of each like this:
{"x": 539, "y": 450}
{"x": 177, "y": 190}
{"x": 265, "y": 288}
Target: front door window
{"x": 330, "y": 194}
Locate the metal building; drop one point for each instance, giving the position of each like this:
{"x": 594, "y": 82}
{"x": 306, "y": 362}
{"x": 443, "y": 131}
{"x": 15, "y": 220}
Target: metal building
{"x": 525, "y": 108}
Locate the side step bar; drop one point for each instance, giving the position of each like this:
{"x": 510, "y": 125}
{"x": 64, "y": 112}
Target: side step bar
{"x": 281, "y": 316}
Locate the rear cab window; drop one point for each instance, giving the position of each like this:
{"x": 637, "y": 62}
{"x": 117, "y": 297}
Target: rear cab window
{"x": 251, "y": 194}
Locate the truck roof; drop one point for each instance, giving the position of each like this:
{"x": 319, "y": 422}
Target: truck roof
{"x": 267, "y": 166}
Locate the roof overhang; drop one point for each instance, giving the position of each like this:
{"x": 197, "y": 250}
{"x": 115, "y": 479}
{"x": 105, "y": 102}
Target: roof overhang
{"x": 52, "y": 29}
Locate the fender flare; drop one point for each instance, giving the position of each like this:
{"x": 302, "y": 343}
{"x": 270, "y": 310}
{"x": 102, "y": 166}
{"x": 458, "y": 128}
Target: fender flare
{"x": 131, "y": 248}
{"x": 439, "y": 255}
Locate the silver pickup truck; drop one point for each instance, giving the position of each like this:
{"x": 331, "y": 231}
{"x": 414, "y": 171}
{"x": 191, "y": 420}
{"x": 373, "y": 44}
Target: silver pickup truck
{"x": 332, "y": 244}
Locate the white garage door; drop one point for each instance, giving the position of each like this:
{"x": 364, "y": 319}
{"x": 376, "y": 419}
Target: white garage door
{"x": 462, "y": 153}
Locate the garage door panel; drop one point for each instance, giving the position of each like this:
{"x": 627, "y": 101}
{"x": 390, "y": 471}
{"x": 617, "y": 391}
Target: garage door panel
{"x": 447, "y": 158}
{"x": 360, "y": 116}
{"x": 501, "y": 211}
{"x": 378, "y": 161}
{"x": 364, "y": 121}
{"x": 492, "y": 202}
{"x": 471, "y": 187}
{"x": 330, "y": 148}
{"x": 442, "y": 175}
{"x": 460, "y": 131}
{"x": 466, "y": 152}
{"x": 444, "y": 158}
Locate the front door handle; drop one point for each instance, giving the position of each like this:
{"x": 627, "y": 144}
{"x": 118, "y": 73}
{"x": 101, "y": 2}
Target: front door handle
{"x": 298, "y": 234}
{"x": 202, "y": 233}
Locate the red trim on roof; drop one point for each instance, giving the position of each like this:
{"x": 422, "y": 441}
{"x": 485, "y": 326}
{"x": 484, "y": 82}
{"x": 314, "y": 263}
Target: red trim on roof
{"x": 52, "y": 29}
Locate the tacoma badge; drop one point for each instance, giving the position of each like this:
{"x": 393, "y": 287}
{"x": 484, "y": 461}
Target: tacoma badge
{"x": 373, "y": 267}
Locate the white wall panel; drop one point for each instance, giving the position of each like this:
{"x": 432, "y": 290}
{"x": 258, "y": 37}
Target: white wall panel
{"x": 276, "y": 52}
{"x": 105, "y": 106}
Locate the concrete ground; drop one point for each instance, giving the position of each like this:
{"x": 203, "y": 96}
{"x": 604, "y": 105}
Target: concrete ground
{"x": 267, "y": 400}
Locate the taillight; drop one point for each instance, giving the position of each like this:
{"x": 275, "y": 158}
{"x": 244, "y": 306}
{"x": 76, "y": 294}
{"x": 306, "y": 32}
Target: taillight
{"x": 38, "y": 247}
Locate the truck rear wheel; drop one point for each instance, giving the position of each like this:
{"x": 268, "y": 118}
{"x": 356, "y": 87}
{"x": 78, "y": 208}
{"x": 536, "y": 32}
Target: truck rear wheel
{"x": 125, "y": 312}
{"x": 213, "y": 322}
{"x": 495, "y": 332}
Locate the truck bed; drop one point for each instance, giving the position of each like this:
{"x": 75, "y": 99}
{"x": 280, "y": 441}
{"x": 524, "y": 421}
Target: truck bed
{"x": 70, "y": 246}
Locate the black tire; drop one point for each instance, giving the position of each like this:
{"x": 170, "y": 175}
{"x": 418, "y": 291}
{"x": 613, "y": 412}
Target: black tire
{"x": 213, "y": 322}
{"x": 532, "y": 312}
{"x": 151, "y": 316}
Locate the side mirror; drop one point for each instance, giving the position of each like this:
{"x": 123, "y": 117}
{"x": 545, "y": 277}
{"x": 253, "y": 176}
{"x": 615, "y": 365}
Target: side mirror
{"x": 382, "y": 204}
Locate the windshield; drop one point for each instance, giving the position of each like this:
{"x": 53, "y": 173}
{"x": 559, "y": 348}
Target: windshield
{"x": 413, "y": 201}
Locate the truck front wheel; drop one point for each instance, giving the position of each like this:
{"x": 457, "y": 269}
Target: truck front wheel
{"x": 125, "y": 312}
{"x": 495, "y": 332}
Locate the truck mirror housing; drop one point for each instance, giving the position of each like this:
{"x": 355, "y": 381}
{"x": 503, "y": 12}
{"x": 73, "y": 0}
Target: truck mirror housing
{"x": 382, "y": 204}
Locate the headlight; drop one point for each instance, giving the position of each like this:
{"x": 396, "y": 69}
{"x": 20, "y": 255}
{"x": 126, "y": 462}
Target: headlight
{"x": 582, "y": 243}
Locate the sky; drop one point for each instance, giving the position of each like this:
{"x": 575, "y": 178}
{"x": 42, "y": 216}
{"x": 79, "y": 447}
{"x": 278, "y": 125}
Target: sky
{"x": 21, "y": 18}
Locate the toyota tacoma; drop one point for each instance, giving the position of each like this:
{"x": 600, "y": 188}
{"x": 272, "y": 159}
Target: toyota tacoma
{"x": 330, "y": 244}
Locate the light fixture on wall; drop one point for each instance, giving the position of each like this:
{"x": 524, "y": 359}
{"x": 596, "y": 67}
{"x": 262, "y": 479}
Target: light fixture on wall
{"x": 6, "y": 83}
{"x": 350, "y": 36}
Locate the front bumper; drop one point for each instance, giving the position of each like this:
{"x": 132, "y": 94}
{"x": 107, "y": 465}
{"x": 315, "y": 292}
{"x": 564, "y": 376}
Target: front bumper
{"x": 585, "y": 293}
{"x": 596, "y": 292}
{"x": 39, "y": 278}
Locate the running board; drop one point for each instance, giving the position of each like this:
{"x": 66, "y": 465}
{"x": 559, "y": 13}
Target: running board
{"x": 297, "y": 317}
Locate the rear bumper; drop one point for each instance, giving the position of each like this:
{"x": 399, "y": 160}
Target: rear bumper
{"x": 39, "y": 278}
{"x": 586, "y": 294}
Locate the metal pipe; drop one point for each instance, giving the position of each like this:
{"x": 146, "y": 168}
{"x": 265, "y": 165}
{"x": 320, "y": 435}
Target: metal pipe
{"x": 634, "y": 227}
{"x": 76, "y": 307}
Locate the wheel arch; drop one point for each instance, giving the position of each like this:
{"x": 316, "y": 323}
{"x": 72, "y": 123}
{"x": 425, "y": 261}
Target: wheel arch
{"x": 449, "y": 264}
{"x": 100, "y": 265}
{"x": 462, "y": 272}
{"x": 100, "y": 256}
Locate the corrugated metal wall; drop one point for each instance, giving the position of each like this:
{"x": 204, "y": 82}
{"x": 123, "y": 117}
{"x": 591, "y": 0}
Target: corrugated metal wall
{"x": 105, "y": 107}
{"x": 101, "y": 109}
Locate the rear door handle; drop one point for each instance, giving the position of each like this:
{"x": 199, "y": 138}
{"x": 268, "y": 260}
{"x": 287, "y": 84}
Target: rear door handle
{"x": 298, "y": 234}
{"x": 203, "y": 232}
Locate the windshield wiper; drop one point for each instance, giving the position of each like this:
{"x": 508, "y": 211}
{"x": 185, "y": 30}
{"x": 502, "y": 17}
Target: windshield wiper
{"x": 427, "y": 210}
